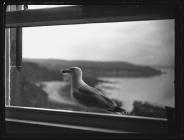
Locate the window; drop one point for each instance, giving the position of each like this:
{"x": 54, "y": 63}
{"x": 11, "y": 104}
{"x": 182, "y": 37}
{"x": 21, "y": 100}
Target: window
{"x": 123, "y": 53}
{"x": 105, "y": 46}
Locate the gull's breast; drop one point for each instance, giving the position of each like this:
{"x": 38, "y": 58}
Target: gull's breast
{"x": 76, "y": 101}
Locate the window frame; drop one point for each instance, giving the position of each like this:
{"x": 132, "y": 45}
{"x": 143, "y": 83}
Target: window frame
{"x": 82, "y": 15}
{"x": 87, "y": 14}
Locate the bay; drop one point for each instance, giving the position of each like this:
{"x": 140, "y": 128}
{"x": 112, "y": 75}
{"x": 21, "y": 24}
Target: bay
{"x": 158, "y": 90}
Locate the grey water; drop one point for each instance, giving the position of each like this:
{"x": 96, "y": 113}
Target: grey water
{"x": 158, "y": 90}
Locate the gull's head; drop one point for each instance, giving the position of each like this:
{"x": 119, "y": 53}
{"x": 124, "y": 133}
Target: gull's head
{"x": 75, "y": 72}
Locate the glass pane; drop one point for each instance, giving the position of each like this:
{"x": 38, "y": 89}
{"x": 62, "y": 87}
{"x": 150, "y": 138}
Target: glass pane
{"x": 130, "y": 63}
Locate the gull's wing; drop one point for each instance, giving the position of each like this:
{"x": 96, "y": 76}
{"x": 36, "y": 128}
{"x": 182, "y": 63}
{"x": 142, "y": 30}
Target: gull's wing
{"x": 91, "y": 97}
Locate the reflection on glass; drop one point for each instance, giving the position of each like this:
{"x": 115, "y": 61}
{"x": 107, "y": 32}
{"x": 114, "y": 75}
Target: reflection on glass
{"x": 132, "y": 63}
{"x": 46, "y": 6}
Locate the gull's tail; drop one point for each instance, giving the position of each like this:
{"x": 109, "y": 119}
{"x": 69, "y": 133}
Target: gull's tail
{"x": 120, "y": 110}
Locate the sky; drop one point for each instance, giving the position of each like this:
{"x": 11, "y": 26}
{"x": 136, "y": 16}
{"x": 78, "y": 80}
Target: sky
{"x": 140, "y": 42}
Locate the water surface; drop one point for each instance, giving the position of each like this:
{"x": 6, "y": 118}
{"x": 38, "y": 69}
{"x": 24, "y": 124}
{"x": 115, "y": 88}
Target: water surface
{"x": 158, "y": 90}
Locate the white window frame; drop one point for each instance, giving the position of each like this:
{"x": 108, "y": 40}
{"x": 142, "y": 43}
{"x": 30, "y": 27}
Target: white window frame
{"x": 82, "y": 120}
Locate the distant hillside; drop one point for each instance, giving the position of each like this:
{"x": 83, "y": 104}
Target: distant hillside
{"x": 33, "y": 72}
{"x": 99, "y": 69}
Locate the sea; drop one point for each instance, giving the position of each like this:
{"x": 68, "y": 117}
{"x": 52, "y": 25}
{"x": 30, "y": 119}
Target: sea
{"x": 157, "y": 90}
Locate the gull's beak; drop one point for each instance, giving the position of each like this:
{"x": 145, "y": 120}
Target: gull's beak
{"x": 65, "y": 71}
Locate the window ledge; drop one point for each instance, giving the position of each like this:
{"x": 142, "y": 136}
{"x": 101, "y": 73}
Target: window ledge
{"x": 94, "y": 122}
{"x": 83, "y": 128}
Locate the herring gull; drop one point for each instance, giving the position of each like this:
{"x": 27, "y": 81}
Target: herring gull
{"x": 88, "y": 97}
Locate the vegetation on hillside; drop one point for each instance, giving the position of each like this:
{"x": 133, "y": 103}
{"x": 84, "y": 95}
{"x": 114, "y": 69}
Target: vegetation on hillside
{"x": 148, "y": 109}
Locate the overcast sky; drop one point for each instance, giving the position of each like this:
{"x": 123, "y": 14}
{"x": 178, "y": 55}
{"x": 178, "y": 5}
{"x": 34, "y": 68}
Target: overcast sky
{"x": 140, "y": 42}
